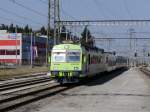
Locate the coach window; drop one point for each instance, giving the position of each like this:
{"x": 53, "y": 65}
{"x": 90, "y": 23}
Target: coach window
{"x": 99, "y": 59}
{"x": 89, "y": 60}
{"x": 106, "y": 59}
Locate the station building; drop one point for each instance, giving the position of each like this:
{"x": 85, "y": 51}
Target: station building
{"x": 18, "y": 48}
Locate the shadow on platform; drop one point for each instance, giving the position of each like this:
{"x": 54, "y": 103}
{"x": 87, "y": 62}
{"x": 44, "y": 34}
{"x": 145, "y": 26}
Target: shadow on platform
{"x": 102, "y": 78}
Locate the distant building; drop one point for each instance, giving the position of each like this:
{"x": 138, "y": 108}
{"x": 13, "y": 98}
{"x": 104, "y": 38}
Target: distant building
{"x": 3, "y": 31}
{"x": 17, "y": 48}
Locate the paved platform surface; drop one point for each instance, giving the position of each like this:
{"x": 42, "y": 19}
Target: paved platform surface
{"x": 128, "y": 92}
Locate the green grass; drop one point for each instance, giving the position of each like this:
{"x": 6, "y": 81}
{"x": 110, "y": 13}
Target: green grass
{"x": 19, "y": 71}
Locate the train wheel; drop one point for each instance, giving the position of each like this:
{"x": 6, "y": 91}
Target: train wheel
{"x": 61, "y": 81}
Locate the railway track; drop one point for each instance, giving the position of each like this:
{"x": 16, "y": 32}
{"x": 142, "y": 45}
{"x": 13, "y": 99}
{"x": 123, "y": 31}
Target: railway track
{"x": 11, "y": 100}
{"x": 21, "y": 92}
{"x": 11, "y": 90}
{"x": 21, "y": 83}
{"x": 22, "y": 76}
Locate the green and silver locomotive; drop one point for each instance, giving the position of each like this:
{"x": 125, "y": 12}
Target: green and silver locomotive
{"x": 67, "y": 62}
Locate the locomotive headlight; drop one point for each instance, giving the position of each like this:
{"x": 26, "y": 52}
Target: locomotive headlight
{"x": 55, "y": 68}
{"x": 66, "y": 47}
{"x": 76, "y": 68}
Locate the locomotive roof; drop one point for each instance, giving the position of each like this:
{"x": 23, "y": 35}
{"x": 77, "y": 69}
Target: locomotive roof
{"x": 66, "y": 46}
{"x": 76, "y": 47}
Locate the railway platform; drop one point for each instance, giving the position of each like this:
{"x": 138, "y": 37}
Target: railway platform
{"x": 127, "y": 92}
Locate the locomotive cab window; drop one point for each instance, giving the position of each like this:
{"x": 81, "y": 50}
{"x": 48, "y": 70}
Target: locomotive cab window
{"x": 58, "y": 57}
{"x": 73, "y": 57}
{"x": 83, "y": 58}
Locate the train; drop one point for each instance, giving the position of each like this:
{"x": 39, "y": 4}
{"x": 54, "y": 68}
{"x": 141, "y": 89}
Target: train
{"x": 70, "y": 62}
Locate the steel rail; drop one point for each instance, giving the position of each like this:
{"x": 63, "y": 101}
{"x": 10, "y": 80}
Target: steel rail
{"x": 31, "y": 95}
{"x": 24, "y": 83}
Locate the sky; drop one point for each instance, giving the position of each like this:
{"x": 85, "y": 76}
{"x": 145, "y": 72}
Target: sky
{"x": 77, "y": 10}
{"x": 74, "y": 10}
{"x": 108, "y": 9}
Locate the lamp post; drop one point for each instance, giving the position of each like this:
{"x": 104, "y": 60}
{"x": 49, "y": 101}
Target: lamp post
{"x": 16, "y": 45}
{"x": 31, "y": 51}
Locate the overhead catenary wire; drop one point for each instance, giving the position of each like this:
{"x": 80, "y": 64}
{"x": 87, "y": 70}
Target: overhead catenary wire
{"x": 28, "y": 8}
{"x": 99, "y": 8}
{"x": 62, "y": 9}
{"x": 19, "y": 16}
{"x": 43, "y": 2}
{"x": 127, "y": 8}
{"x": 11, "y": 21}
{"x": 66, "y": 13}
{"x": 97, "y": 3}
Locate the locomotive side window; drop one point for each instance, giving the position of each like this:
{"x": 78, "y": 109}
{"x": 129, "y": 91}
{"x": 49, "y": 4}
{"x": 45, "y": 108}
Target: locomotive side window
{"x": 83, "y": 59}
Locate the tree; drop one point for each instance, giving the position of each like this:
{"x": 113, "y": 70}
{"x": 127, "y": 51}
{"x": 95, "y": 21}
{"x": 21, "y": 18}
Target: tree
{"x": 20, "y": 30}
{"x": 43, "y": 31}
{"x": 4, "y": 27}
{"x": 30, "y": 30}
{"x": 87, "y": 39}
{"x": 26, "y": 29}
{"x": 11, "y": 28}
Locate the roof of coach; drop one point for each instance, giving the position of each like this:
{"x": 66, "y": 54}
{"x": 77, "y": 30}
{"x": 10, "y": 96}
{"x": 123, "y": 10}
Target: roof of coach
{"x": 112, "y": 53}
{"x": 94, "y": 49}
